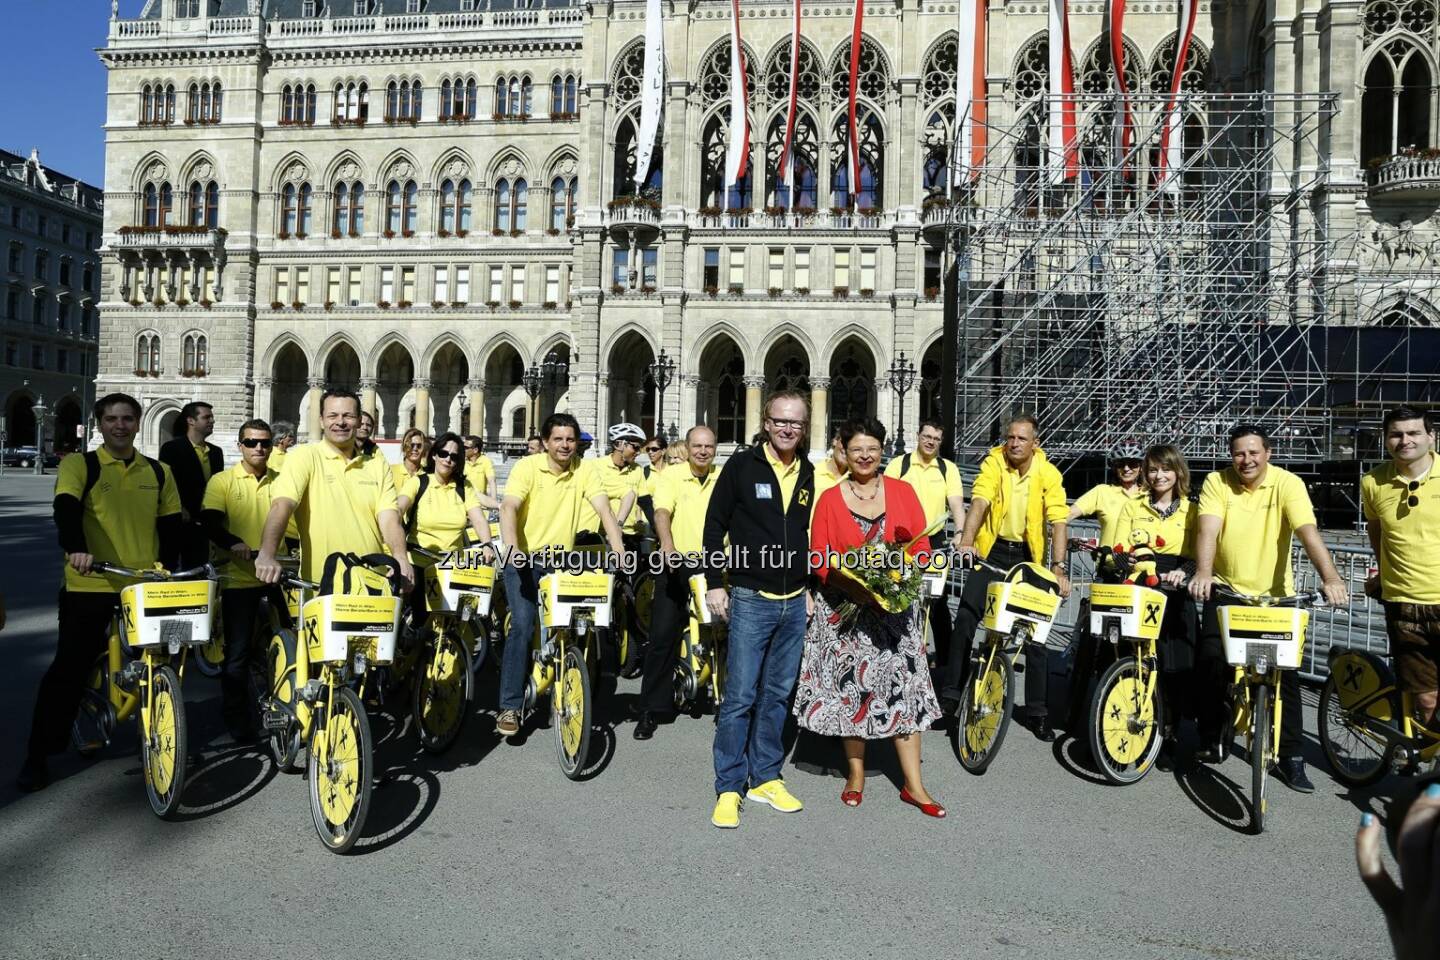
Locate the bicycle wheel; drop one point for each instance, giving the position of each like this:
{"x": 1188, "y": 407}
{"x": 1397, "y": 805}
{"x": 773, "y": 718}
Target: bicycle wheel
{"x": 1357, "y": 756}
{"x": 162, "y": 742}
{"x": 210, "y": 659}
{"x": 444, "y": 688}
{"x": 1261, "y": 739}
{"x": 636, "y": 633}
{"x": 1124, "y": 723}
{"x": 282, "y": 724}
{"x": 95, "y": 718}
{"x": 685, "y": 687}
{"x": 477, "y": 636}
{"x": 570, "y": 701}
{"x": 985, "y": 714}
{"x": 340, "y": 770}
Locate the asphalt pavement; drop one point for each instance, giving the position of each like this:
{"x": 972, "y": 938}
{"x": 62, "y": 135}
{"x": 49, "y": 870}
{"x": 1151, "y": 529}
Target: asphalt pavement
{"x": 488, "y": 851}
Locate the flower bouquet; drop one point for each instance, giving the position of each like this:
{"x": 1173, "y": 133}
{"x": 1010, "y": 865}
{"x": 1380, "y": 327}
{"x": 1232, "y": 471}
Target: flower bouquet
{"x": 881, "y": 575}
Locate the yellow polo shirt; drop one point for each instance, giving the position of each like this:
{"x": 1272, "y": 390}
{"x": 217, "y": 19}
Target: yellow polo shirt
{"x": 1012, "y": 525}
{"x": 551, "y": 504}
{"x": 1257, "y": 528}
{"x": 480, "y": 473}
{"x": 244, "y": 499}
{"x": 399, "y": 474}
{"x": 616, "y": 481}
{"x": 826, "y": 476}
{"x": 277, "y": 459}
{"x": 1409, "y": 536}
{"x": 118, "y": 517}
{"x": 441, "y": 516}
{"x": 202, "y": 452}
{"x": 339, "y": 501}
{"x": 1177, "y": 530}
{"x": 788, "y": 477}
{"x": 933, "y": 490}
{"x": 1108, "y": 502}
{"x": 685, "y": 497}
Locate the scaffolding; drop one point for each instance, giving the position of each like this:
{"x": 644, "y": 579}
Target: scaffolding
{"x": 1121, "y": 303}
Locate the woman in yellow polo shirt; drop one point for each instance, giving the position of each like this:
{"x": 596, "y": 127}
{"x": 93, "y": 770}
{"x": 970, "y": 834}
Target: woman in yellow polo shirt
{"x": 1168, "y": 519}
{"x": 438, "y": 505}
{"x": 1108, "y": 500}
{"x": 414, "y": 455}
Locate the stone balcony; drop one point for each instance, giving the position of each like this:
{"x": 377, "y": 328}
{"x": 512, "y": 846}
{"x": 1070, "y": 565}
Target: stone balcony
{"x": 158, "y": 239}
{"x": 1408, "y": 178}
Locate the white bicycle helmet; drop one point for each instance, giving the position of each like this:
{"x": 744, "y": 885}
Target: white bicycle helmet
{"x": 1127, "y": 450}
{"x": 625, "y": 431}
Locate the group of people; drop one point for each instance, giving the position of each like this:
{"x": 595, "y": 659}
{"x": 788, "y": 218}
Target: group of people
{"x": 752, "y": 528}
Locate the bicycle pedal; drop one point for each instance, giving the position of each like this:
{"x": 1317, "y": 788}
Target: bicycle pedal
{"x": 273, "y": 720}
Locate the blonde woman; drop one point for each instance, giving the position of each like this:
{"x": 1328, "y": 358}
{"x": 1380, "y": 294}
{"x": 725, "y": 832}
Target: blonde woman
{"x": 677, "y": 452}
{"x": 414, "y": 454}
{"x": 1168, "y": 518}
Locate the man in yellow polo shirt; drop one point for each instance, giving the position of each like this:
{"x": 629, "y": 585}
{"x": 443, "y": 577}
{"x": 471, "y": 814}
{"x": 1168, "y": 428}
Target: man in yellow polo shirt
{"x": 833, "y": 468}
{"x": 682, "y": 494}
{"x": 1401, "y": 501}
{"x": 620, "y": 478}
{"x": 343, "y": 500}
{"x": 937, "y": 485}
{"x": 545, "y": 497}
{"x": 1017, "y": 493}
{"x": 1250, "y": 514}
{"x": 479, "y": 469}
{"x": 234, "y": 509}
{"x": 113, "y": 505}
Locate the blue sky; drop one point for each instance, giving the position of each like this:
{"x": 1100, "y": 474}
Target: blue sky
{"x": 56, "y": 82}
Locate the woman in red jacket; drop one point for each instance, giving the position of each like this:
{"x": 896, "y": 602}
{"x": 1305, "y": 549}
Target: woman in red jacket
{"x": 865, "y": 677}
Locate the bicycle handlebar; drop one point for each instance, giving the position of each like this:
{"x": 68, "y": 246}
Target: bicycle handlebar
{"x": 204, "y": 571}
{"x": 1312, "y": 598}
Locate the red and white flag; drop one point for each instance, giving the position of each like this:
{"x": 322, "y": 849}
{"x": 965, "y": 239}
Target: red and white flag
{"x": 853, "y": 149}
{"x": 787, "y": 162}
{"x": 1172, "y": 139}
{"x": 651, "y": 91}
{"x": 1125, "y": 129}
{"x": 1063, "y": 155}
{"x": 970, "y": 104}
{"x": 737, "y": 152}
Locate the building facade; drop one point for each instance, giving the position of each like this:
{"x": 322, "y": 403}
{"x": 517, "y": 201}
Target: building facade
{"x": 50, "y": 227}
{"x": 434, "y": 201}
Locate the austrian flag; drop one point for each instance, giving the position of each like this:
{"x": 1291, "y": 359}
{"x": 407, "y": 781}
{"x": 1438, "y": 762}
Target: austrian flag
{"x": 737, "y": 152}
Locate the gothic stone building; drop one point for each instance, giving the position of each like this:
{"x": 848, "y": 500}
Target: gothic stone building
{"x": 431, "y": 199}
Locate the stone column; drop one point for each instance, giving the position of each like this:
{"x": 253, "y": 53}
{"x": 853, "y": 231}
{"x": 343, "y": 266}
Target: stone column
{"x": 689, "y": 389}
{"x": 367, "y": 395}
{"x": 316, "y": 387}
{"x": 263, "y": 386}
{"x": 602, "y": 410}
{"x": 422, "y": 405}
{"x": 476, "y": 424}
{"x": 819, "y": 414}
{"x": 754, "y": 397}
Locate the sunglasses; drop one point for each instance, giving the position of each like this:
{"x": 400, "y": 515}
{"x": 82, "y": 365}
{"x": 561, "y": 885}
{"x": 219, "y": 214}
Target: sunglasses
{"x": 451, "y": 455}
{"x": 416, "y": 445}
{"x": 250, "y": 443}
{"x": 1413, "y": 501}
{"x": 652, "y": 449}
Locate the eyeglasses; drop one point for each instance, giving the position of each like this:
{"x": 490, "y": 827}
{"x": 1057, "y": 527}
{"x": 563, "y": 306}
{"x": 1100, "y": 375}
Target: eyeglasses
{"x": 451, "y": 455}
{"x": 250, "y": 443}
{"x": 787, "y": 424}
{"x": 416, "y": 445}
{"x": 652, "y": 449}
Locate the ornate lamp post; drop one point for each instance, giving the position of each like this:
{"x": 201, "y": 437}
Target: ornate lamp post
{"x": 40, "y": 410}
{"x": 532, "y": 380}
{"x": 662, "y": 371}
{"x": 901, "y": 377}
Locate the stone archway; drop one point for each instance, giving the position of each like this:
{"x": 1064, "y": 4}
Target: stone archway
{"x": 20, "y": 419}
{"x": 630, "y": 390}
{"x": 69, "y": 419}
{"x": 721, "y": 400}
{"x": 288, "y": 387}
{"x": 504, "y": 395}
{"x": 394, "y": 387}
{"x": 449, "y": 371}
{"x": 852, "y": 383}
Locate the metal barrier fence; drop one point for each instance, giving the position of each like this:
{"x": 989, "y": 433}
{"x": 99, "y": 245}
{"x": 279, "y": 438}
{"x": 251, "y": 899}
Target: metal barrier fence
{"x": 1361, "y": 625}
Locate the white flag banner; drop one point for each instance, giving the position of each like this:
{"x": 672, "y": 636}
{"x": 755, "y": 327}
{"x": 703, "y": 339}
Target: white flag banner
{"x": 1063, "y": 154}
{"x": 652, "y": 92}
{"x": 1172, "y": 133}
{"x": 787, "y": 158}
{"x": 969, "y": 100}
{"x": 737, "y": 151}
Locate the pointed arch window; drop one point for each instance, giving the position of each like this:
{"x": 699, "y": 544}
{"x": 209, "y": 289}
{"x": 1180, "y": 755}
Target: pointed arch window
{"x": 804, "y": 150}
{"x": 502, "y": 97}
{"x": 394, "y": 207}
{"x": 713, "y": 191}
{"x": 1396, "y": 103}
{"x": 626, "y": 156}
{"x": 557, "y": 95}
{"x": 411, "y": 207}
{"x": 287, "y": 104}
{"x": 522, "y": 200}
{"x": 502, "y": 206}
{"x": 196, "y": 355}
{"x": 288, "y": 210}
{"x": 447, "y": 206}
{"x": 349, "y": 206}
{"x": 147, "y": 355}
{"x": 571, "y": 103}
{"x": 470, "y": 98}
{"x": 559, "y": 205}
{"x": 306, "y": 205}
{"x": 197, "y": 205}
{"x": 463, "y": 204}
{"x": 865, "y": 195}
{"x": 151, "y": 216}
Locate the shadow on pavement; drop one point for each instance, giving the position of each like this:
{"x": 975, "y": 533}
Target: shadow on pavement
{"x": 1217, "y": 796}
{"x": 1073, "y": 756}
{"x": 224, "y": 779}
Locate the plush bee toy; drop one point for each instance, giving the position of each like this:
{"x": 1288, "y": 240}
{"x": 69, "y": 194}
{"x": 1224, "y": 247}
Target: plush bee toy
{"x": 1139, "y": 558}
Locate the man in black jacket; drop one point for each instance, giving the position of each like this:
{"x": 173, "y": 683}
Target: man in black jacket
{"x": 192, "y": 460}
{"x": 762, "y": 503}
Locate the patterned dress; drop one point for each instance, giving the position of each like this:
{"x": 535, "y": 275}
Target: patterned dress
{"x": 867, "y": 680}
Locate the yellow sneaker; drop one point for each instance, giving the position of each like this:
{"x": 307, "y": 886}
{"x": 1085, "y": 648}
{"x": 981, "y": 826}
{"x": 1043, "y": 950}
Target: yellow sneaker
{"x": 773, "y": 793}
{"x": 727, "y": 811}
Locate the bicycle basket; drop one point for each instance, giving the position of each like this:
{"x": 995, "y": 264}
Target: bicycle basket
{"x": 461, "y": 577}
{"x": 1275, "y": 632}
{"x": 1139, "y": 610}
{"x": 561, "y": 594}
{"x": 167, "y": 613}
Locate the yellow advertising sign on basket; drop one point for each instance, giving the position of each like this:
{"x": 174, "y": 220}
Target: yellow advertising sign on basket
{"x": 1140, "y": 611}
{"x": 561, "y": 594}
{"x": 167, "y": 612}
{"x": 1277, "y": 632}
{"x": 333, "y": 621}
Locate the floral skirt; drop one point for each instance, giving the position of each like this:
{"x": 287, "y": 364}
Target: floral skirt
{"x": 869, "y": 679}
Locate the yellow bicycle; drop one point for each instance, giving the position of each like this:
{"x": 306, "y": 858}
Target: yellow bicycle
{"x": 163, "y": 617}
{"x": 1263, "y": 636}
{"x": 1126, "y": 711}
{"x": 700, "y": 665}
{"x": 1368, "y": 725}
{"x": 344, "y": 636}
{"x": 1019, "y": 609}
{"x": 573, "y": 607}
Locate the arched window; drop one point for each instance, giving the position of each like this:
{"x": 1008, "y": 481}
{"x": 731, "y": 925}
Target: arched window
{"x": 393, "y": 207}
{"x": 212, "y": 205}
{"x": 287, "y": 104}
{"x": 525, "y": 96}
{"x": 196, "y": 355}
{"x": 502, "y": 97}
{"x": 522, "y": 198}
{"x": 447, "y": 206}
{"x": 341, "y": 223}
{"x": 866, "y": 195}
{"x": 169, "y": 114}
{"x": 412, "y": 206}
{"x": 445, "y": 102}
{"x": 392, "y": 101}
{"x": 1396, "y": 102}
{"x": 804, "y": 151}
{"x": 167, "y": 203}
{"x": 147, "y": 106}
{"x": 310, "y": 103}
{"x": 288, "y": 211}
{"x": 152, "y": 206}
{"x": 713, "y": 191}
{"x": 417, "y": 99}
{"x": 192, "y": 104}
{"x": 557, "y": 95}
{"x": 570, "y": 99}
{"x": 558, "y": 211}
{"x": 197, "y": 205}
{"x": 462, "y": 206}
{"x": 306, "y": 198}
{"x": 470, "y": 99}
{"x": 514, "y": 96}
{"x": 357, "y": 209}
{"x": 502, "y": 205}
{"x": 627, "y": 155}
{"x": 147, "y": 355}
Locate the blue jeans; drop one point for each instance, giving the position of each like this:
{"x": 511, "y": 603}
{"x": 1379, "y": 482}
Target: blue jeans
{"x": 766, "y": 639}
{"x": 522, "y": 590}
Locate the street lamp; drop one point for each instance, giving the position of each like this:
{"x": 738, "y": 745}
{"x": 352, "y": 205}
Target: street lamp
{"x": 532, "y": 380}
{"x": 662, "y": 371}
{"x": 39, "y": 411}
{"x": 901, "y": 377}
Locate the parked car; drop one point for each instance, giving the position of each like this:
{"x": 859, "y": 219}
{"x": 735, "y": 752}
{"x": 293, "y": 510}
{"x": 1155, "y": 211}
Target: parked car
{"x": 24, "y": 457}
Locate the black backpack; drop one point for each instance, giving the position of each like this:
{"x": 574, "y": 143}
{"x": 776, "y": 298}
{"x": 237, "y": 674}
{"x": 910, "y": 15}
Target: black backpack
{"x": 92, "y": 475}
{"x": 905, "y": 467}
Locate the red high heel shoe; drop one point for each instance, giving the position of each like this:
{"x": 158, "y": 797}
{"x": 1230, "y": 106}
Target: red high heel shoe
{"x": 929, "y": 809}
{"x": 851, "y": 798}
